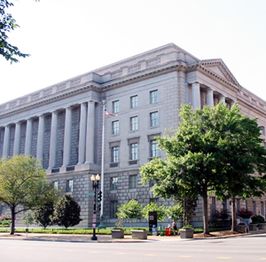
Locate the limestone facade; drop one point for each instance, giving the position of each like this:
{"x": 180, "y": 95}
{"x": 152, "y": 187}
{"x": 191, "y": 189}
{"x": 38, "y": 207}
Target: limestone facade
{"x": 61, "y": 125}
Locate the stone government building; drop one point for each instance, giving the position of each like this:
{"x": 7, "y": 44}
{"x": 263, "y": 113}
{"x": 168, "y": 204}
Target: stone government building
{"x": 61, "y": 125}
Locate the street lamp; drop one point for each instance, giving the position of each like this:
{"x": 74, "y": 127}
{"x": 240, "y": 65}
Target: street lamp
{"x": 95, "y": 179}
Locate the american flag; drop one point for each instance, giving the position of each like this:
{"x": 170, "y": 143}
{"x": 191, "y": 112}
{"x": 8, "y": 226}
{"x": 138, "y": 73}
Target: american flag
{"x": 109, "y": 113}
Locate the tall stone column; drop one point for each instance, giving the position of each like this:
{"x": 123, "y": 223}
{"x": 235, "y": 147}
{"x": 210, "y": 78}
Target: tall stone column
{"x": 210, "y": 100}
{"x": 90, "y": 133}
{"x": 222, "y": 99}
{"x": 17, "y": 138}
{"x": 6, "y": 141}
{"x": 28, "y": 137}
{"x": 82, "y": 134}
{"x": 196, "y": 95}
{"x": 67, "y": 137}
{"x": 40, "y": 137}
{"x": 52, "y": 151}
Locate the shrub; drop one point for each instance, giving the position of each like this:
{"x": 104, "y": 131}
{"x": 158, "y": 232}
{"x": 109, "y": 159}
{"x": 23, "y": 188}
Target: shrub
{"x": 5, "y": 221}
{"x": 176, "y": 211}
{"x": 67, "y": 212}
{"x": 161, "y": 211}
{"x": 44, "y": 214}
{"x": 257, "y": 219}
{"x": 129, "y": 210}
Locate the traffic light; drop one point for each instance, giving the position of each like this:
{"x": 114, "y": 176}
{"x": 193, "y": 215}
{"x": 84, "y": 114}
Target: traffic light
{"x": 99, "y": 196}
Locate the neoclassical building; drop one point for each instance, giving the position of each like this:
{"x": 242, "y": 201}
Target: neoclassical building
{"x": 136, "y": 100}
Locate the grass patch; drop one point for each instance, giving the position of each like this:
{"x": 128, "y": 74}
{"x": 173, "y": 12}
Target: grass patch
{"x": 89, "y": 231}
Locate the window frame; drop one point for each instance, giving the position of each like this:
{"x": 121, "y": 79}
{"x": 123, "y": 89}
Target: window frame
{"x": 70, "y": 186}
{"x": 115, "y": 127}
{"x": 113, "y": 183}
{"x": 134, "y": 151}
{"x": 134, "y": 101}
{"x": 115, "y": 154}
{"x": 154, "y": 121}
{"x": 156, "y": 150}
{"x": 115, "y": 106}
{"x": 154, "y": 96}
{"x": 132, "y": 181}
{"x": 134, "y": 123}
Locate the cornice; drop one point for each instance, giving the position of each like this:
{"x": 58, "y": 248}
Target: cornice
{"x": 170, "y": 67}
{"x": 49, "y": 99}
{"x": 225, "y": 70}
{"x": 259, "y": 110}
{"x": 213, "y": 76}
{"x": 119, "y": 72}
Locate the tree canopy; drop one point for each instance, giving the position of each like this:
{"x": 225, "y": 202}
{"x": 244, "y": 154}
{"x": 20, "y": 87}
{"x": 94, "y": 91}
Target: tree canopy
{"x": 205, "y": 155}
{"x": 7, "y": 24}
{"x": 23, "y": 185}
{"x": 66, "y": 212}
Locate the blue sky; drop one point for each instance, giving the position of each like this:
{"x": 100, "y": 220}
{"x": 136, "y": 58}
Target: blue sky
{"x": 66, "y": 38}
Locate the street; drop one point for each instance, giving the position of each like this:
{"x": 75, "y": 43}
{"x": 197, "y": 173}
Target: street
{"x": 248, "y": 248}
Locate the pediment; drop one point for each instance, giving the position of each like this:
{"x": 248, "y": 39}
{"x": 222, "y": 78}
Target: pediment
{"x": 218, "y": 67}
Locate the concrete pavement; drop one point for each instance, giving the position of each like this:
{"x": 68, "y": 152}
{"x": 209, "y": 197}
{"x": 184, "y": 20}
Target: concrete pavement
{"x": 105, "y": 238}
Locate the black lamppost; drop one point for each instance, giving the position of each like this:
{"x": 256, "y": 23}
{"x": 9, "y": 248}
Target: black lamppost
{"x": 95, "y": 179}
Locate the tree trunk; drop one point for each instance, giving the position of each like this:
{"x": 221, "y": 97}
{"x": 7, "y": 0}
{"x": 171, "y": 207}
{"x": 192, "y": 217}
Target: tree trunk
{"x": 205, "y": 212}
{"x": 233, "y": 211}
{"x": 13, "y": 219}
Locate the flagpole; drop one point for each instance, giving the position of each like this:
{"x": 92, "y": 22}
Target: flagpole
{"x": 102, "y": 161}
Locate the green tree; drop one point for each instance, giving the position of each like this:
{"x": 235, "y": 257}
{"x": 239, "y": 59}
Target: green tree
{"x": 243, "y": 157}
{"x": 198, "y": 158}
{"x": 43, "y": 214}
{"x": 23, "y": 185}
{"x": 175, "y": 212}
{"x": 130, "y": 210}
{"x": 151, "y": 207}
{"x": 67, "y": 212}
{"x": 8, "y": 24}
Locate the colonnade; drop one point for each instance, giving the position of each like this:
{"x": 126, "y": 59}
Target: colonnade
{"x": 85, "y": 141}
{"x": 197, "y": 92}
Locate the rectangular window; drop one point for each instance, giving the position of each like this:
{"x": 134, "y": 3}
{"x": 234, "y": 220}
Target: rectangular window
{"x": 113, "y": 183}
{"x": 262, "y": 130}
{"x": 154, "y": 149}
{"x": 115, "y": 106}
{"x": 134, "y": 151}
{"x": 115, "y": 127}
{"x": 69, "y": 186}
{"x": 134, "y": 101}
{"x": 113, "y": 208}
{"x": 115, "y": 154}
{"x": 134, "y": 123}
{"x": 55, "y": 185}
{"x": 132, "y": 182}
{"x": 154, "y": 119}
{"x": 154, "y": 97}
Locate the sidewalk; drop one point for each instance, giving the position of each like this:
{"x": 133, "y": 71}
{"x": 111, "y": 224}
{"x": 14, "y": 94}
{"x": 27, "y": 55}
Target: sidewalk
{"x": 108, "y": 239}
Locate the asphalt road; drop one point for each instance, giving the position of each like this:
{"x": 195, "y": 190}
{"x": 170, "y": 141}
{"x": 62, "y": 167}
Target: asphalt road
{"x": 245, "y": 249}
